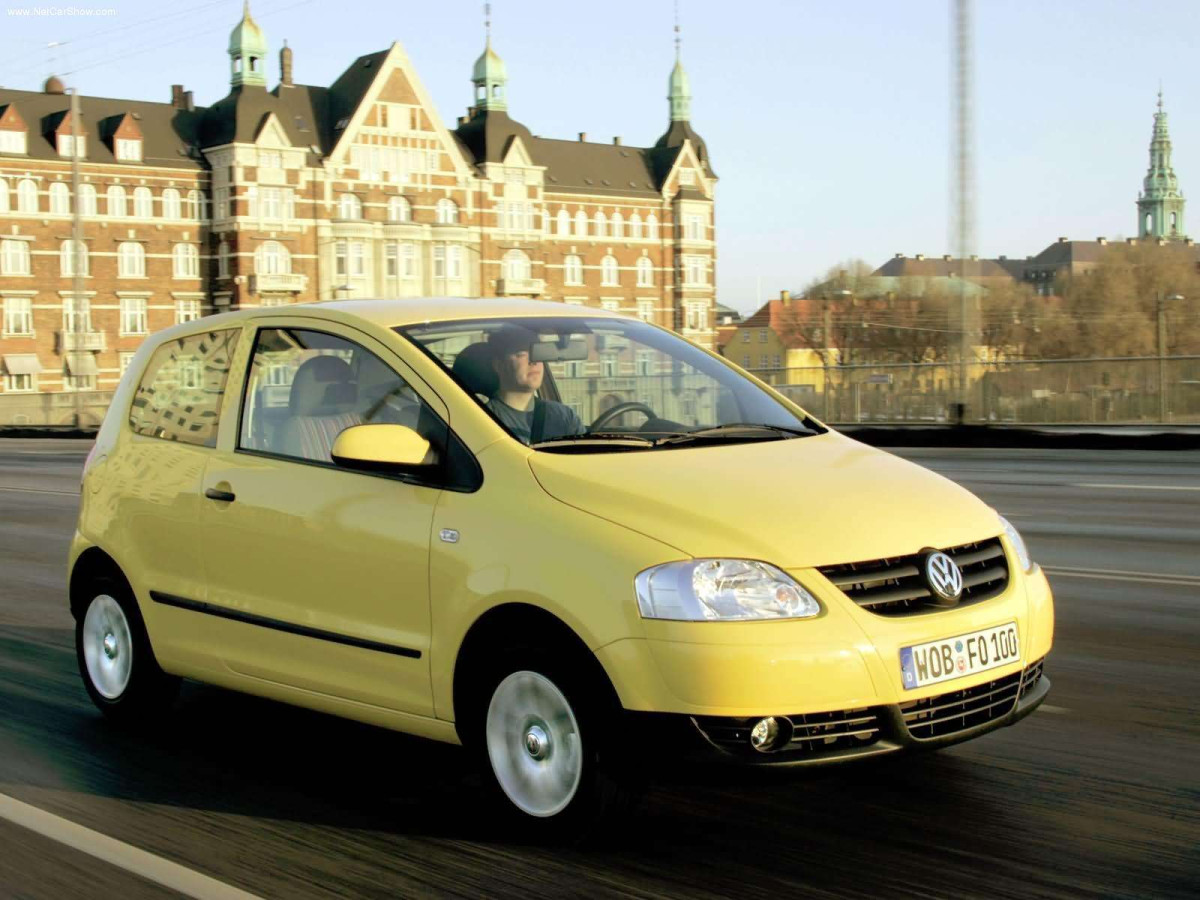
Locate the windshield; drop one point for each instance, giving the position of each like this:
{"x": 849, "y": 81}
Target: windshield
{"x": 567, "y": 383}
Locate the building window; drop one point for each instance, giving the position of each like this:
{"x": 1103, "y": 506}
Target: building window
{"x": 14, "y": 255}
{"x": 27, "y": 196}
{"x": 223, "y": 260}
{"x": 447, "y": 212}
{"x": 645, "y": 272}
{"x": 651, "y": 227}
{"x": 143, "y": 203}
{"x": 697, "y": 318}
{"x": 270, "y": 159}
{"x": 617, "y": 225}
{"x": 69, "y": 146}
{"x": 635, "y": 227}
{"x": 18, "y": 384}
{"x": 116, "y": 201}
{"x": 358, "y": 265}
{"x": 572, "y": 270}
{"x": 68, "y": 253}
{"x": 775, "y": 360}
{"x": 186, "y": 258}
{"x": 745, "y": 336}
{"x": 447, "y": 262}
{"x": 131, "y": 260}
{"x": 608, "y": 272}
{"x": 762, "y": 361}
{"x": 601, "y": 224}
{"x": 125, "y": 357}
{"x": 399, "y": 210}
{"x": 133, "y": 315}
{"x": 515, "y": 265}
{"x": 695, "y": 271}
{"x": 87, "y": 200}
{"x": 12, "y": 142}
{"x": 762, "y": 335}
{"x": 171, "y": 206}
{"x": 18, "y": 316}
{"x": 646, "y": 310}
{"x": 608, "y": 365}
{"x": 3, "y": 195}
{"x": 186, "y": 311}
{"x": 60, "y": 199}
{"x": 129, "y": 150}
{"x": 581, "y": 224}
{"x": 220, "y": 201}
{"x": 77, "y": 315}
{"x": 195, "y": 205}
{"x": 645, "y": 363}
{"x": 391, "y": 261}
{"x": 564, "y": 223}
{"x": 693, "y": 228}
{"x": 272, "y": 258}
{"x": 408, "y": 260}
{"x": 611, "y": 305}
{"x": 349, "y": 207}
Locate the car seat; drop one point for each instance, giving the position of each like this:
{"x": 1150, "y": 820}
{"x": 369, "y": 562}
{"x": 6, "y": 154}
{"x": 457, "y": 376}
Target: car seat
{"x": 322, "y": 404}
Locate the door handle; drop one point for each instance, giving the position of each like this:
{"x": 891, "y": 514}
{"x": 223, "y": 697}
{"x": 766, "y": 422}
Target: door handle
{"x": 224, "y": 496}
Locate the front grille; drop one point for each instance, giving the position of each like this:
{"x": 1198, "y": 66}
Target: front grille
{"x": 896, "y": 586}
{"x": 1032, "y": 676}
{"x": 957, "y": 711}
{"x": 813, "y": 734}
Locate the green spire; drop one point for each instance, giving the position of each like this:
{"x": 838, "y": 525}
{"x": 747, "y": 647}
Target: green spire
{"x": 490, "y": 78}
{"x": 1160, "y": 204}
{"x": 247, "y": 52}
{"x": 679, "y": 93}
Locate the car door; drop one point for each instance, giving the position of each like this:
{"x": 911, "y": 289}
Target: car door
{"x": 320, "y": 574}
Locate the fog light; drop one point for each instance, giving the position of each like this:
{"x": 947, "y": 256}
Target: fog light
{"x": 764, "y": 734}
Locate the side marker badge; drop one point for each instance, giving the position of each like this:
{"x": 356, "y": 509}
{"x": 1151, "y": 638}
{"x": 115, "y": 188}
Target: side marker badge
{"x": 449, "y": 535}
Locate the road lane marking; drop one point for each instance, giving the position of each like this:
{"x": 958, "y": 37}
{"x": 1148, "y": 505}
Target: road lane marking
{"x": 1122, "y": 575}
{"x": 117, "y": 853}
{"x": 1140, "y": 487}
{"x": 39, "y": 491}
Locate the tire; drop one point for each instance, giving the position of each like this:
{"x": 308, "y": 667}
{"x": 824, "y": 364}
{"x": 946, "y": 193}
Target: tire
{"x": 115, "y": 659}
{"x": 542, "y": 734}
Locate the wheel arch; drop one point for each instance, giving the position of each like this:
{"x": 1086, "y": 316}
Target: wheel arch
{"x": 92, "y": 563}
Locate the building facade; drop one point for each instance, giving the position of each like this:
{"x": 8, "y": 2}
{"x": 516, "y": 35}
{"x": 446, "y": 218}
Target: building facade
{"x": 303, "y": 193}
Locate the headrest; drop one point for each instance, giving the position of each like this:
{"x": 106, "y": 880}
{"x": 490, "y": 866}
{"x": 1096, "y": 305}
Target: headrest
{"x": 473, "y": 367}
{"x": 322, "y": 386}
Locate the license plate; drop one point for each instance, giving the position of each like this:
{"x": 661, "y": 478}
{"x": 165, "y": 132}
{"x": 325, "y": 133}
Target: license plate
{"x": 955, "y": 657}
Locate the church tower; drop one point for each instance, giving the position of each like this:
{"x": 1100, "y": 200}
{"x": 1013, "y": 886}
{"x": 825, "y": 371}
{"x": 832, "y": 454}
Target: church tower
{"x": 1160, "y": 203}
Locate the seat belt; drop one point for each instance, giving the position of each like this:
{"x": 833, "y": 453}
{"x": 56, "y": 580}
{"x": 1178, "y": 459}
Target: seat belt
{"x": 539, "y": 421}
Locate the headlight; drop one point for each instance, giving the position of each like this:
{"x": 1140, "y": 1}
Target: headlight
{"x": 1018, "y": 544}
{"x": 721, "y": 590}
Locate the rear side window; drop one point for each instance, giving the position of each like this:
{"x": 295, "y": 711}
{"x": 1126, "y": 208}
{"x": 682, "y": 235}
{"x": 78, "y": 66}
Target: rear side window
{"x": 179, "y": 396}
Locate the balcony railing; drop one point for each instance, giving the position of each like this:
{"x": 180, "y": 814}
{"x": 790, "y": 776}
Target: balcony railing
{"x": 71, "y": 341}
{"x": 263, "y": 284}
{"x": 520, "y": 287}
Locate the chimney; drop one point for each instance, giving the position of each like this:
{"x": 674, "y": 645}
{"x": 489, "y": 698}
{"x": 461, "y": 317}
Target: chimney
{"x": 1062, "y": 240}
{"x": 285, "y": 65}
{"x": 898, "y": 256}
{"x": 1188, "y": 242}
{"x": 177, "y": 96}
{"x": 1160, "y": 241}
{"x": 1131, "y": 241}
{"x": 617, "y": 141}
{"x": 946, "y": 257}
{"x": 1102, "y": 241}
{"x": 462, "y": 120}
{"x": 974, "y": 257}
{"x": 188, "y": 103}
{"x": 920, "y": 256}
{"x": 786, "y": 297}
{"x": 1003, "y": 258}
{"x": 582, "y": 136}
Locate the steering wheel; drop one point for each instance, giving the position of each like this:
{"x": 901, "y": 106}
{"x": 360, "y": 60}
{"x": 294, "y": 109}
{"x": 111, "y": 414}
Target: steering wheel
{"x": 620, "y": 409}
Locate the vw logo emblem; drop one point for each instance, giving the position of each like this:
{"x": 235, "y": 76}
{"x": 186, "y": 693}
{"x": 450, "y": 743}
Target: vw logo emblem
{"x": 944, "y": 577}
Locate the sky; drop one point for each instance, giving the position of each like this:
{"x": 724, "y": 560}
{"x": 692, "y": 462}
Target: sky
{"x": 828, "y": 124}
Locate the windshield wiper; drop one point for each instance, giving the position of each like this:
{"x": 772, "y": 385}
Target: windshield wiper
{"x": 604, "y": 438}
{"x": 734, "y": 431}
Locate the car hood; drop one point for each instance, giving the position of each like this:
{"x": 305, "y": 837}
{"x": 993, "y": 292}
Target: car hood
{"x": 797, "y": 503}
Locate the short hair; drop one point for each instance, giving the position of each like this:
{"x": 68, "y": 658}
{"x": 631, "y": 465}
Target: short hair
{"x": 511, "y": 339}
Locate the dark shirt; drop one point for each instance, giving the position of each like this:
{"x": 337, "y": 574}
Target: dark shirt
{"x": 560, "y": 419}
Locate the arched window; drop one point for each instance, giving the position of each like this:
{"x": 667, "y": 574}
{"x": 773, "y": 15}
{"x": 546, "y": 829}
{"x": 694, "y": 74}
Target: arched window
{"x": 349, "y": 207}
{"x": 1149, "y": 223}
{"x": 87, "y": 200}
{"x": 608, "y": 272}
{"x": 573, "y": 270}
{"x": 651, "y": 227}
{"x": 223, "y": 260}
{"x": 515, "y": 265}
{"x": 171, "y": 207}
{"x": 131, "y": 260}
{"x": 195, "y": 205}
{"x": 581, "y": 223}
{"x": 187, "y": 261}
{"x": 399, "y": 210}
{"x": 143, "y": 203}
{"x": 1174, "y": 222}
{"x": 447, "y": 212}
{"x": 564, "y": 223}
{"x": 67, "y": 255}
{"x": 3, "y": 195}
{"x": 617, "y": 225}
{"x": 272, "y": 258}
{"x": 635, "y": 227}
{"x": 27, "y": 198}
{"x": 645, "y": 272}
{"x": 116, "y": 201}
{"x": 601, "y": 224}
{"x": 60, "y": 199}
{"x": 14, "y": 257}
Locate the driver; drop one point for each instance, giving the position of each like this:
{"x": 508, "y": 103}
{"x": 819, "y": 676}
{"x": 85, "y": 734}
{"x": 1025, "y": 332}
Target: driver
{"x": 514, "y": 402}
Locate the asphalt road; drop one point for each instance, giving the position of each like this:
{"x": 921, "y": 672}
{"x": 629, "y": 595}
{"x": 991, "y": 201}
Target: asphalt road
{"x": 1096, "y": 794}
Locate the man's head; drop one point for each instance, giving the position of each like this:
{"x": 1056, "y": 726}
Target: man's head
{"x": 510, "y": 358}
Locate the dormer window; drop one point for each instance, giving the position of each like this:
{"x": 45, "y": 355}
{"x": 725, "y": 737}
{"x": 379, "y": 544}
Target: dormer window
{"x": 13, "y": 142}
{"x": 69, "y": 145}
{"x": 128, "y": 150}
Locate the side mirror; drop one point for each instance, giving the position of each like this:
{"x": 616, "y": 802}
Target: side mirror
{"x": 381, "y": 448}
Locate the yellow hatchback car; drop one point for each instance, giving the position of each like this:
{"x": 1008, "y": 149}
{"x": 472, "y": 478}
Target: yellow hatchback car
{"x": 559, "y": 536}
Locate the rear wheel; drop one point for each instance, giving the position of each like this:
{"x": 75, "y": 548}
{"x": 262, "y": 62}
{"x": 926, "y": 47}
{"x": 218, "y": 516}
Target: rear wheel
{"x": 118, "y": 667}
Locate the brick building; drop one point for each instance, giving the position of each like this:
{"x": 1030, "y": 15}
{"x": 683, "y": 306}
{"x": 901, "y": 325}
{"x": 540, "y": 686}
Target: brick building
{"x": 306, "y": 193}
